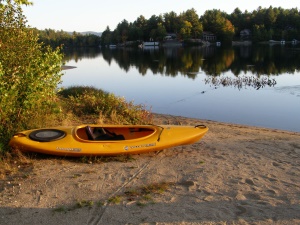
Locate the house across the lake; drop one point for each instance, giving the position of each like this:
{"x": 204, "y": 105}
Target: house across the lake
{"x": 245, "y": 34}
{"x": 208, "y": 36}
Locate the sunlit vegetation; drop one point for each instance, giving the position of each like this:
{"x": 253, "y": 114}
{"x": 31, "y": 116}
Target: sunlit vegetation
{"x": 79, "y": 104}
{"x": 29, "y": 76}
{"x": 143, "y": 195}
{"x": 264, "y": 24}
{"x": 106, "y": 107}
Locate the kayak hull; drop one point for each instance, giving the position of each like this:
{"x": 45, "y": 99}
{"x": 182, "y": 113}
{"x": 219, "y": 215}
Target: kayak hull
{"x": 135, "y": 139}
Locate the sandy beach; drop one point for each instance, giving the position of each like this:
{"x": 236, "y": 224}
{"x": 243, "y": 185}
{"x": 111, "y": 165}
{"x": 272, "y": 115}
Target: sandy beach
{"x": 235, "y": 175}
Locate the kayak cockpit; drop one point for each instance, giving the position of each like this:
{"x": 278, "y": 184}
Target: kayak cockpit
{"x": 92, "y": 133}
{"x": 100, "y": 133}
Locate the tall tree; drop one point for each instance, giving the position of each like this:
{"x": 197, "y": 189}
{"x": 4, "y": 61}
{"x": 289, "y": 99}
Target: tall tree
{"x": 216, "y": 22}
{"x": 141, "y": 25}
{"x": 171, "y": 22}
{"x": 270, "y": 18}
{"x": 152, "y": 25}
{"x": 237, "y": 18}
{"x": 186, "y": 30}
{"x": 122, "y": 31}
{"x": 192, "y": 17}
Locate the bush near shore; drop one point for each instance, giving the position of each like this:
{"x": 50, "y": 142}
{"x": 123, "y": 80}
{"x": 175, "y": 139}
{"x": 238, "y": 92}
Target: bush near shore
{"x": 82, "y": 104}
{"x": 103, "y": 107}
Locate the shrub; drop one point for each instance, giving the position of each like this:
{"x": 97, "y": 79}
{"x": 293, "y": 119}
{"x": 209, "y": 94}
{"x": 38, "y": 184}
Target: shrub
{"x": 82, "y": 101}
{"x": 29, "y": 74}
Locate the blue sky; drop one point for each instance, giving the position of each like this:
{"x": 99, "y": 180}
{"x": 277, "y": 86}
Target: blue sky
{"x": 96, "y": 15}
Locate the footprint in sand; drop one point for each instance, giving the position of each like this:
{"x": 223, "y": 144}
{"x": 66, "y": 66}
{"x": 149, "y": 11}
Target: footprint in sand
{"x": 249, "y": 181}
{"x": 241, "y": 211}
{"x": 275, "y": 164}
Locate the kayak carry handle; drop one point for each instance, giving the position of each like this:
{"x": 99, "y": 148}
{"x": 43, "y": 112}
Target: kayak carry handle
{"x": 200, "y": 126}
{"x": 162, "y": 129}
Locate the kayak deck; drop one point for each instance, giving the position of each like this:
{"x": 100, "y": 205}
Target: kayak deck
{"x": 94, "y": 140}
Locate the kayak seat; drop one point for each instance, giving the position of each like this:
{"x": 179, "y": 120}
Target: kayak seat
{"x": 100, "y": 134}
{"x": 90, "y": 133}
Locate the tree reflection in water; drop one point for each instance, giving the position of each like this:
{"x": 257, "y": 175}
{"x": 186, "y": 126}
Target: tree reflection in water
{"x": 187, "y": 74}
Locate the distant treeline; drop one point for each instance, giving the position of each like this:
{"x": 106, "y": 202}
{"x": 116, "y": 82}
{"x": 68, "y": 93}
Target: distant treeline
{"x": 259, "y": 25}
{"x": 67, "y": 39}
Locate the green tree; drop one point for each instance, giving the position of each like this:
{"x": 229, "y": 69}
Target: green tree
{"x": 192, "y": 17}
{"x": 161, "y": 31}
{"x": 106, "y": 37}
{"x": 260, "y": 33}
{"x": 270, "y": 18}
{"x": 186, "y": 30}
{"x": 216, "y": 22}
{"x": 122, "y": 31}
{"x": 238, "y": 19}
{"x": 141, "y": 27}
{"x": 171, "y": 22}
{"x": 29, "y": 74}
{"x": 152, "y": 25}
{"x": 277, "y": 22}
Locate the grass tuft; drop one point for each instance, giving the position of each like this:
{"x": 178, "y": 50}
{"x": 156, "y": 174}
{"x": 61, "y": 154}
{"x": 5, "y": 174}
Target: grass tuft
{"x": 144, "y": 195}
{"x": 115, "y": 200}
{"x": 84, "y": 203}
{"x": 83, "y": 100}
{"x": 157, "y": 188}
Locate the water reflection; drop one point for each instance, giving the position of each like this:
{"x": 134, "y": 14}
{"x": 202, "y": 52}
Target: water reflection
{"x": 78, "y": 54}
{"x": 256, "y": 60}
{"x": 254, "y": 85}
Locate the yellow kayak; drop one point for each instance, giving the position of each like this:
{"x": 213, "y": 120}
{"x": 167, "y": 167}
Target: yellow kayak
{"x": 94, "y": 140}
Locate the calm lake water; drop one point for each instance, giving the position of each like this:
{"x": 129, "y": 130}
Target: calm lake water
{"x": 256, "y": 85}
